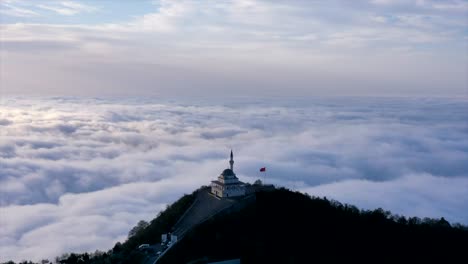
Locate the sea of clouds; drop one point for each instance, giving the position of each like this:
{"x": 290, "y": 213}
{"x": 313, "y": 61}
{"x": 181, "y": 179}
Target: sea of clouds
{"x": 78, "y": 174}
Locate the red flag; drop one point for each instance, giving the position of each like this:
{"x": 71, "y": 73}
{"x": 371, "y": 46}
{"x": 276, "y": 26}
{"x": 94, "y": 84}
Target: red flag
{"x": 263, "y": 169}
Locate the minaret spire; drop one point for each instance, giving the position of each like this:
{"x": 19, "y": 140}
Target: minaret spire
{"x": 231, "y": 162}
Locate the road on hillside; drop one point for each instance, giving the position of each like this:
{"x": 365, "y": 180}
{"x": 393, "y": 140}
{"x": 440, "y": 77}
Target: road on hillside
{"x": 151, "y": 253}
{"x": 205, "y": 205}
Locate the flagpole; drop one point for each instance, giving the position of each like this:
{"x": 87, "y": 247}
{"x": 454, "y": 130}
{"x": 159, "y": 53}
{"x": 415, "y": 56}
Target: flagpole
{"x": 262, "y": 174}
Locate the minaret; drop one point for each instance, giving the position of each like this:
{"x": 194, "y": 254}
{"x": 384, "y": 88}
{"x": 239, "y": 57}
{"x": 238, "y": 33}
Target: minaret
{"x": 231, "y": 162}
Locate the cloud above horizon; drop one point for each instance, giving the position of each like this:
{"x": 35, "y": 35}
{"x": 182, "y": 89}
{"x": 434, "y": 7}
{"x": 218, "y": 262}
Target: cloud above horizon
{"x": 77, "y": 174}
{"x": 234, "y": 47}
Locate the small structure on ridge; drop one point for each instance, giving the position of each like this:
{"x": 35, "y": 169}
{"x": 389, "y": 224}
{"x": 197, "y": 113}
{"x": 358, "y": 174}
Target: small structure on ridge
{"x": 227, "y": 184}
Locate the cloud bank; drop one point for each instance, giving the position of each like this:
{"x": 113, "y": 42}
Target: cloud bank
{"x": 77, "y": 174}
{"x": 361, "y": 47}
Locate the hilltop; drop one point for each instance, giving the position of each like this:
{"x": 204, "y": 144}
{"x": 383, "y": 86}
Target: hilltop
{"x": 282, "y": 226}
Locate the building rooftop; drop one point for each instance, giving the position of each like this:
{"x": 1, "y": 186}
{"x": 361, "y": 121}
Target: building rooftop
{"x": 231, "y": 183}
{"x": 228, "y": 172}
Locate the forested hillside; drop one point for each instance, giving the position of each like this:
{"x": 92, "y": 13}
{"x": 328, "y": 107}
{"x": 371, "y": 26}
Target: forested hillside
{"x": 282, "y": 226}
{"x": 290, "y": 227}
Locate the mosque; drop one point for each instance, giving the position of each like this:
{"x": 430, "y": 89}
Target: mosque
{"x": 228, "y": 185}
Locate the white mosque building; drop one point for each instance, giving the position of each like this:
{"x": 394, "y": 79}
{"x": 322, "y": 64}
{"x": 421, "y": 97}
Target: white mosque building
{"x": 228, "y": 185}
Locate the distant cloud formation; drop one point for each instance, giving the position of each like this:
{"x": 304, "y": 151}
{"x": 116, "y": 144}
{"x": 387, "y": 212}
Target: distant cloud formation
{"x": 261, "y": 47}
{"x": 21, "y": 8}
{"x": 67, "y": 8}
{"x": 77, "y": 174}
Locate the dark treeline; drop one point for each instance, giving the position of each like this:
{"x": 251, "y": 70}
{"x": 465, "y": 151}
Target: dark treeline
{"x": 282, "y": 226}
{"x": 291, "y": 227}
{"x": 142, "y": 233}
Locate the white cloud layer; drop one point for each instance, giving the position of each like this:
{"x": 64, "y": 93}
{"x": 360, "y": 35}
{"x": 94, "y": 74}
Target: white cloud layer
{"x": 77, "y": 174}
{"x": 67, "y": 8}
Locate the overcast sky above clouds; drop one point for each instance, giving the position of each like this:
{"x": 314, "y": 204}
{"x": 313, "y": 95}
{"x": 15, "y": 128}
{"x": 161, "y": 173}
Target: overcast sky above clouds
{"x": 377, "y": 47}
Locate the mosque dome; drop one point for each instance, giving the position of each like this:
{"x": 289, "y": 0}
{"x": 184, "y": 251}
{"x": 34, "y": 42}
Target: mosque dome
{"x": 228, "y": 173}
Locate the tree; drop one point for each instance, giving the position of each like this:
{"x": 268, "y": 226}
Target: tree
{"x": 139, "y": 227}
{"x": 117, "y": 248}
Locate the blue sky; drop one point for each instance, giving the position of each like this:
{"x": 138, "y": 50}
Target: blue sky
{"x": 364, "y": 47}
{"x": 80, "y": 12}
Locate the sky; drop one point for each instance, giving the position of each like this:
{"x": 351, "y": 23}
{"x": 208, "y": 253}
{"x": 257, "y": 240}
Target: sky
{"x": 233, "y": 48}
